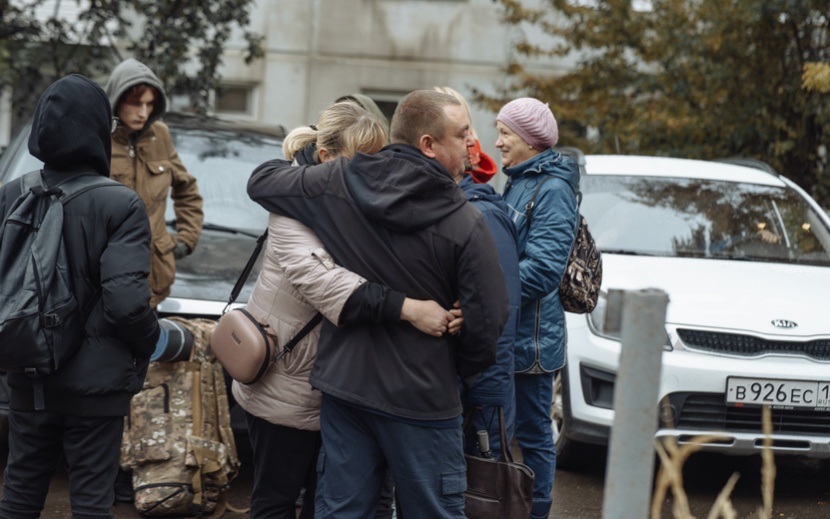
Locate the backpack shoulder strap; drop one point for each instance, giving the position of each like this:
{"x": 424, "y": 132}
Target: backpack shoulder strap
{"x": 531, "y": 204}
{"x": 578, "y": 205}
{"x": 77, "y": 186}
{"x": 66, "y": 189}
{"x": 30, "y": 180}
{"x": 30, "y": 183}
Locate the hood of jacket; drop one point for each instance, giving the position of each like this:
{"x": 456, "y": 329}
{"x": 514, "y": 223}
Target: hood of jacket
{"x": 401, "y": 189}
{"x": 307, "y": 156}
{"x": 71, "y": 126}
{"x": 484, "y": 167}
{"x": 128, "y": 74}
{"x": 475, "y": 191}
{"x": 550, "y": 162}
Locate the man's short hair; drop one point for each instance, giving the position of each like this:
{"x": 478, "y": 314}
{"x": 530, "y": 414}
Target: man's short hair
{"x": 421, "y": 113}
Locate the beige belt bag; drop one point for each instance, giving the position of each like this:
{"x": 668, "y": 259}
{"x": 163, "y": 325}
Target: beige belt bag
{"x": 243, "y": 346}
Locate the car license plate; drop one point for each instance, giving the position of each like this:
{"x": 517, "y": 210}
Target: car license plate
{"x": 777, "y": 393}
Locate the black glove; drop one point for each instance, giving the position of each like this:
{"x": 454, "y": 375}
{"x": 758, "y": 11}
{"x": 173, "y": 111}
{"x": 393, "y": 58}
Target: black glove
{"x": 181, "y": 250}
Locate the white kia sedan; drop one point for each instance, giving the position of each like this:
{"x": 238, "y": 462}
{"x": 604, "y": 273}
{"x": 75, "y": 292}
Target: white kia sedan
{"x": 744, "y": 255}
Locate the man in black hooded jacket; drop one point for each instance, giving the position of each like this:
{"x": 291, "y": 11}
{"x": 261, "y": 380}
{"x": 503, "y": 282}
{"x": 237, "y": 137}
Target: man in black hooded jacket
{"x": 390, "y": 393}
{"x": 107, "y": 236}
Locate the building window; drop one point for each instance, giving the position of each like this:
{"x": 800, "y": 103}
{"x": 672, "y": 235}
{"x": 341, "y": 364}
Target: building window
{"x": 387, "y": 101}
{"x": 180, "y": 103}
{"x": 235, "y": 100}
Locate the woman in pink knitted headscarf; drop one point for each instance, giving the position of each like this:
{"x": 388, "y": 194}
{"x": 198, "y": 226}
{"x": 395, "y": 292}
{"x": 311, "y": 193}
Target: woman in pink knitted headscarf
{"x": 527, "y": 133}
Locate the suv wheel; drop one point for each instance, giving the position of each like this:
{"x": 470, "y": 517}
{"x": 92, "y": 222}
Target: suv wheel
{"x": 567, "y": 450}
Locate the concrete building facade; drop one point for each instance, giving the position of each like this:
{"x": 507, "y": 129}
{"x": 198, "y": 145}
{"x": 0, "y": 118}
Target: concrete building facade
{"x": 318, "y": 50}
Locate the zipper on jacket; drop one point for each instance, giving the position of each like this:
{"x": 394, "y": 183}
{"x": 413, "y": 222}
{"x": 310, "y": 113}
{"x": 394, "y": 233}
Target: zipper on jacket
{"x": 536, "y": 366}
{"x": 536, "y": 325}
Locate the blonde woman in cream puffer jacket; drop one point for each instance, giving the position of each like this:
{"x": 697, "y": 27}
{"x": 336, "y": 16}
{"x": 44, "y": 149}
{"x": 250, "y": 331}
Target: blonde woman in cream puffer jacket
{"x": 293, "y": 253}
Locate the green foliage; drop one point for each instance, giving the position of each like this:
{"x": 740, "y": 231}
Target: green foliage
{"x": 181, "y": 40}
{"x": 688, "y": 78}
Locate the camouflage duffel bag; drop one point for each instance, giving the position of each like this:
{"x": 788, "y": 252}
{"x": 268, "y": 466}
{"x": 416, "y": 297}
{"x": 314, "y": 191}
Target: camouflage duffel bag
{"x": 178, "y": 440}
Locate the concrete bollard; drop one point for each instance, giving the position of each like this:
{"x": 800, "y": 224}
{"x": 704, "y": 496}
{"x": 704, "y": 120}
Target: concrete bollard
{"x": 640, "y": 315}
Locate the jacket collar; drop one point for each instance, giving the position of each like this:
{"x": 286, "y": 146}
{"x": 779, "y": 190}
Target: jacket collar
{"x": 532, "y": 166}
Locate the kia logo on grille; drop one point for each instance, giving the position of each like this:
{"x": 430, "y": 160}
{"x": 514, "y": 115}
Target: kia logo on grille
{"x": 783, "y": 323}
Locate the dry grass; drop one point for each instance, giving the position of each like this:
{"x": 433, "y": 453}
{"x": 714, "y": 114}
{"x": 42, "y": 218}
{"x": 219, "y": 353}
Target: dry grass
{"x": 670, "y": 477}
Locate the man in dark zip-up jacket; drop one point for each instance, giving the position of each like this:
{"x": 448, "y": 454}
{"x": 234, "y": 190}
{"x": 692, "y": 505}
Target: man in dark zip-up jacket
{"x": 107, "y": 236}
{"x": 398, "y": 218}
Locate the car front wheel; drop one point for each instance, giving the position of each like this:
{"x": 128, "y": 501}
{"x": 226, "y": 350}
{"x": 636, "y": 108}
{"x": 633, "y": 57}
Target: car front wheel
{"x": 567, "y": 450}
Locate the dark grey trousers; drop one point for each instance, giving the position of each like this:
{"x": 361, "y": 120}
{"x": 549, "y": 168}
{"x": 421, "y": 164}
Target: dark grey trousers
{"x": 36, "y": 441}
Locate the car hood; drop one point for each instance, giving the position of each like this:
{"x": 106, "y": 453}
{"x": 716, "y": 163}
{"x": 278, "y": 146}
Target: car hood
{"x": 734, "y": 295}
{"x": 209, "y": 274}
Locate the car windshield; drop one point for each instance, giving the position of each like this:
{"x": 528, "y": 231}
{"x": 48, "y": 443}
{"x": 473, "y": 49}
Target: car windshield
{"x": 22, "y": 165}
{"x": 222, "y": 161}
{"x": 680, "y": 217}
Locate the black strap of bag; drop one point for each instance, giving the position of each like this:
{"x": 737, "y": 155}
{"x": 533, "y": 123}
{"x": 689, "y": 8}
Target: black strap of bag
{"x": 243, "y": 277}
{"x": 302, "y": 333}
{"x": 531, "y": 204}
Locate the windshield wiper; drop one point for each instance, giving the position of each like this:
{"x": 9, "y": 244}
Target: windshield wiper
{"x": 220, "y": 228}
{"x": 756, "y": 259}
{"x": 625, "y": 252}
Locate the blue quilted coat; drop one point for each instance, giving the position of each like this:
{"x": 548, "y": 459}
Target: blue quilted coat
{"x": 543, "y": 252}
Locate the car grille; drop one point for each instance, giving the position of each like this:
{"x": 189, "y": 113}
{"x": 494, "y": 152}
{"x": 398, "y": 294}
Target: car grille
{"x": 749, "y": 346}
{"x": 709, "y": 412}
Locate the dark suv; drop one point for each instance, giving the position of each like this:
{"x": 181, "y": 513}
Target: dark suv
{"x": 221, "y": 154}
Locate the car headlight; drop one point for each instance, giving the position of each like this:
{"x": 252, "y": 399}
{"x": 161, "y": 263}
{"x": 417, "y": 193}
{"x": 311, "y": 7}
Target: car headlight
{"x": 598, "y": 324}
{"x": 596, "y": 319}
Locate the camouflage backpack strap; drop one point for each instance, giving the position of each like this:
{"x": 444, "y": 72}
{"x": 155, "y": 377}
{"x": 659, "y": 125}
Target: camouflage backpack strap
{"x": 211, "y": 440}
{"x": 226, "y": 436}
{"x": 198, "y": 421}
{"x": 206, "y": 460}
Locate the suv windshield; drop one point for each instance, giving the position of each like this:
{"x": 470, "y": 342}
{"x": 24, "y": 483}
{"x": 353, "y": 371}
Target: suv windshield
{"x": 222, "y": 161}
{"x": 680, "y": 217}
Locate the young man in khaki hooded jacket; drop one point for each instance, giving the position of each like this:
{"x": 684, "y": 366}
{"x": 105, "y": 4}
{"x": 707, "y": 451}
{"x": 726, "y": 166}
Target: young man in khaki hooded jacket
{"x": 144, "y": 159}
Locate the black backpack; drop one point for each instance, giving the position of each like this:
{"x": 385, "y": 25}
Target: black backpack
{"x": 41, "y": 325}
